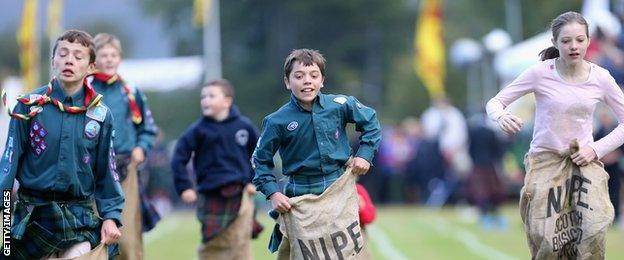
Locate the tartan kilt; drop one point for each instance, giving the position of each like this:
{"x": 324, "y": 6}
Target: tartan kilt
{"x": 41, "y": 228}
{"x": 298, "y": 185}
{"x": 485, "y": 186}
{"x": 217, "y": 209}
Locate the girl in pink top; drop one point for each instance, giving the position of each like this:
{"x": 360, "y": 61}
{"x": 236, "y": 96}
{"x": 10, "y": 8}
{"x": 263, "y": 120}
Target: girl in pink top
{"x": 567, "y": 89}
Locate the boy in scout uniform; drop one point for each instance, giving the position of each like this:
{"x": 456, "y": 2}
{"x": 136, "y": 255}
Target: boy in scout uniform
{"x": 309, "y": 133}
{"x": 221, "y": 143}
{"x": 135, "y": 134}
{"x": 59, "y": 148}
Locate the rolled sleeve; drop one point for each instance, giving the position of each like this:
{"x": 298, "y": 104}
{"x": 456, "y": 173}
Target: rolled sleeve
{"x": 366, "y": 152}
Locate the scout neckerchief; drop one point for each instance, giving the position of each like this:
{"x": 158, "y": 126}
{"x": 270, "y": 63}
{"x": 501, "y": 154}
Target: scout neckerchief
{"x": 110, "y": 80}
{"x": 37, "y": 101}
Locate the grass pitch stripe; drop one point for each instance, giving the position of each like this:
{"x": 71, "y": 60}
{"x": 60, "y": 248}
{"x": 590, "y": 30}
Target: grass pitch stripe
{"x": 383, "y": 243}
{"x": 471, "y": 241}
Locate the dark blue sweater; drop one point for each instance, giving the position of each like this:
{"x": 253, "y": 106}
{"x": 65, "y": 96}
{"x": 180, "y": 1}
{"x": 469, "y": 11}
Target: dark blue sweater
{"x": 221, "y": 153}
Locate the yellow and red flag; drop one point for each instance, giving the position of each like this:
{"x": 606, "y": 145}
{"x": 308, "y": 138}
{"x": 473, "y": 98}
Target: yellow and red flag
{"x": 429, "y": 55}
{"x": 29, "y": 45}
{"x": 200, "y": 11}
{"x": 54, "y": 25}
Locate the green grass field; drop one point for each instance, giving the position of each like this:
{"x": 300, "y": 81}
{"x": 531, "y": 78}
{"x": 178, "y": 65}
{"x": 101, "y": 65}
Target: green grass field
{"x": 398, "y": 233}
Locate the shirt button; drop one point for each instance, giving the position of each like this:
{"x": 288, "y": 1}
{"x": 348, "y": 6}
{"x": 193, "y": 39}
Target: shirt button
{"x": 322, "y": 143}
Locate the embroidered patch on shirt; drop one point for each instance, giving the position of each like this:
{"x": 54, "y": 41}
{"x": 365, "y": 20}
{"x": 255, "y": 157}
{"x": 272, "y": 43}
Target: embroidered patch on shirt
{"x": 37, "y": 136}
{"x": 111, "y": 163}
{"x": 8, "y": 155}
{"x": 97, "y": 113}
{"x": 340, "y": 100}
{"x": 292, "y": 126}
{"x": 242, "y": 136}
{"x": 92, "y": 128}
{"x": 36, "y": 109}
{"x": 86, "y": 159}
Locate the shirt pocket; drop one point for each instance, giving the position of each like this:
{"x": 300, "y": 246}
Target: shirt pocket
{"x": 333, "y": 130}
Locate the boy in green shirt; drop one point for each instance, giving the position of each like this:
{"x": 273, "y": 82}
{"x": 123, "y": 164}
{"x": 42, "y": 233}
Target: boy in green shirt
{"x": 60, "y": 150}
{"x": 309, "y": 134}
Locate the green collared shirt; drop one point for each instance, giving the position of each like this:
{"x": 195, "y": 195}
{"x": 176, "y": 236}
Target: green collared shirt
{"x": 65, "y": 153}
{"x": 313, "y": 144}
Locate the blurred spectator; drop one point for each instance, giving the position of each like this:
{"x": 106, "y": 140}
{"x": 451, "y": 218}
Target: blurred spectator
{"x": 608, "y": 55}
{"x": 158, "y": 176}
{"x": 447, "y": 123}
{"x": 425, "y": 167}
{"x": 386, "y": 166}
{"x": 484, "y": 186}
{"x": 611, "y": 160}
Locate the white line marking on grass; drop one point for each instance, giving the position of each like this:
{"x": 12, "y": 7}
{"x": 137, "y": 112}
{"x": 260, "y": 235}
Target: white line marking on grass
{"x": 471, "y": 241}
{"x": 383, "y": 243}
{"x": 161, "y": 229}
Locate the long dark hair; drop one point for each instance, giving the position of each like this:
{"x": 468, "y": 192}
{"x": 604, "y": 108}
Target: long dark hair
{"x": 555, "y": 27}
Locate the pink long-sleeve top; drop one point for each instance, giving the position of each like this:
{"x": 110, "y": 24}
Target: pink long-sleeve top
{"x": 564, "y": 110}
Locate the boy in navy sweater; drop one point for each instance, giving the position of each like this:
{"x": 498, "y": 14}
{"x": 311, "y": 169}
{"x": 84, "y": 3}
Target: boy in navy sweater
{"x": 221, "y": 142}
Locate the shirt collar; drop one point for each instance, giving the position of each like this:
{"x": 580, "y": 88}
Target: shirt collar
{"x": 77, "y": 99}
{"x": 320, "y": 100}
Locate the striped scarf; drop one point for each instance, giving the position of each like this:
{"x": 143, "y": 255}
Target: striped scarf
{"x": 37, "y": 101}
{"x": 110, "y": 80}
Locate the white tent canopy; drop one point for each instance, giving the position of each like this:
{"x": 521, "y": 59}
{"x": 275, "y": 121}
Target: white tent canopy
{"x": 511, "y": 62}
{"x": 163, "y": 74}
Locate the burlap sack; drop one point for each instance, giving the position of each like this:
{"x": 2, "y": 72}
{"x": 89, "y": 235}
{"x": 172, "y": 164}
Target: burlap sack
{"x": 365, "y": 254}
{"x": 234, "y": 242}
{"x": 131, "y": 240}
{"x": 565, "y": 208}
{"x": 100, "y": 252}
{"x": 323, "y": 226}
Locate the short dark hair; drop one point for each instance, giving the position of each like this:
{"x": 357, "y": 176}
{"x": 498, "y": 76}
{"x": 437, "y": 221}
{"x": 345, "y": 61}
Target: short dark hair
{"x": 78, "y": 36}
{"x": 305, "y": 56}
{"x": 224, "y": 85}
